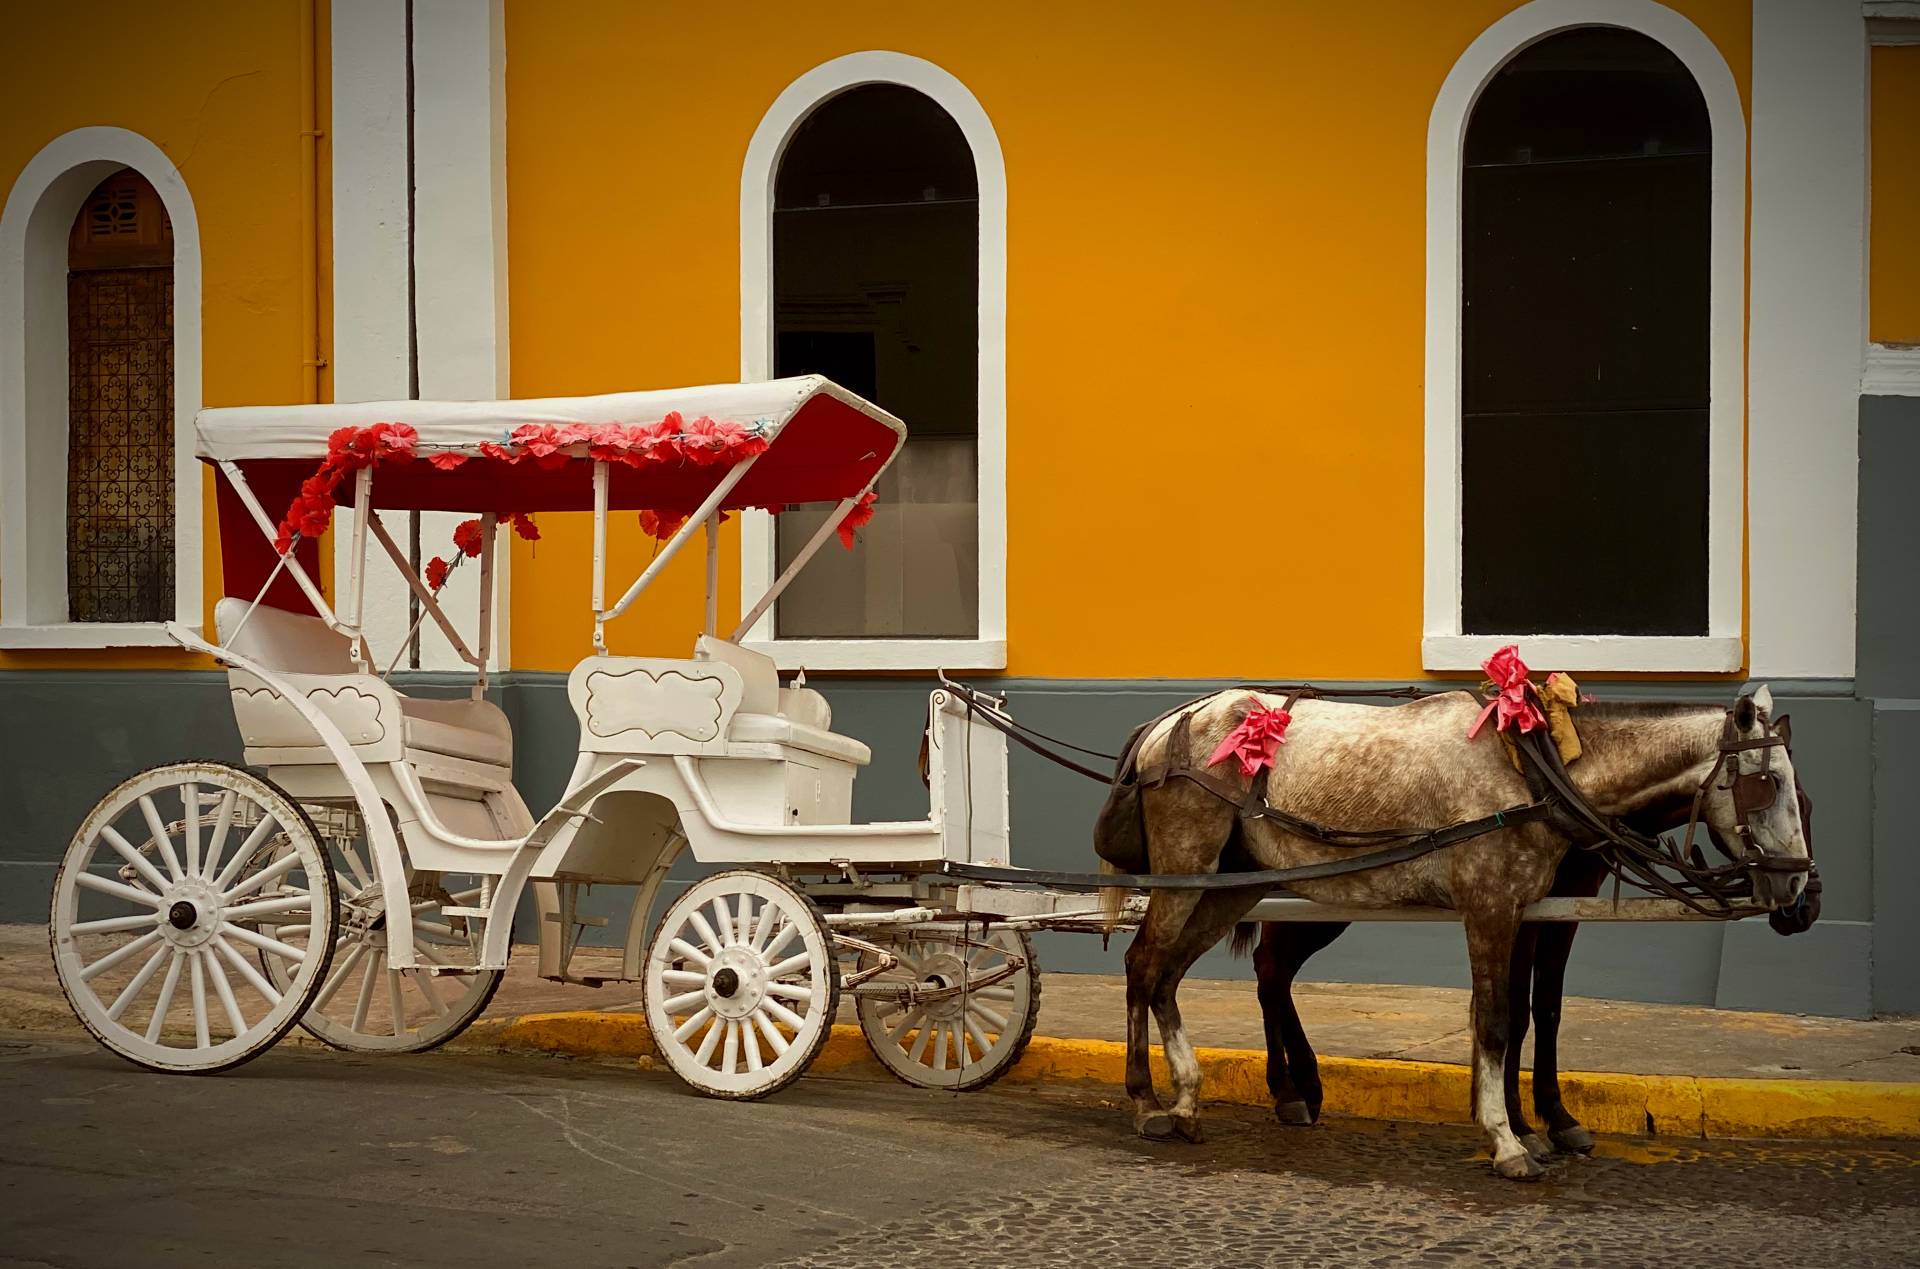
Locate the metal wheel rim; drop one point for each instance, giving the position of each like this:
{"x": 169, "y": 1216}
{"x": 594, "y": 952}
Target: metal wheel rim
{"x": 184, "y": 972}
{"x": 756, "y": 1033}
{"x": 362, "y": 995}
{"x": 962, "y": 1043}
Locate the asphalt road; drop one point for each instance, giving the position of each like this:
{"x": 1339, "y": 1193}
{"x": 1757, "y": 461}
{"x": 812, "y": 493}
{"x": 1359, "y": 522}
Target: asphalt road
{"x": 317, "y": 1158}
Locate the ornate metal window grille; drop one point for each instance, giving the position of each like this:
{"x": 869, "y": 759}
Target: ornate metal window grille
{"x": 120, "y": 455}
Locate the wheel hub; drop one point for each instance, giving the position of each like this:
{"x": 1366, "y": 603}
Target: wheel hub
{"x": 192, "y": 913}
{"x": 737, "y": 983}
{"x": 940, "y": 970}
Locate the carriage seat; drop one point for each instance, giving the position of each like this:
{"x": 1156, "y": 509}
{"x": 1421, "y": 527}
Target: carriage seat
{"x": 296, "y": 643}
{"x": 796, "y": 717}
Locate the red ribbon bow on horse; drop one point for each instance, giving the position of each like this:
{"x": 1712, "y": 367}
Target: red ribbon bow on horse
{"x": 1256, "y": 741}
{"x": 1512, "y": 702}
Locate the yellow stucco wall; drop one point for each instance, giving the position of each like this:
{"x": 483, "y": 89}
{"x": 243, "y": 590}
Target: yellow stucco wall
{"x": 219, "y": 93}
{"x": 1215, "y": 298}
{"x": 1893, "y": 279}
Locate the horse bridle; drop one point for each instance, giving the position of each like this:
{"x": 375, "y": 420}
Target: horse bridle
{"x": 1753, "y": 792}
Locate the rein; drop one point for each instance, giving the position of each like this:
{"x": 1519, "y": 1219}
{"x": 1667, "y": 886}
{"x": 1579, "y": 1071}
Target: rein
{"x": 1628, "y": 854}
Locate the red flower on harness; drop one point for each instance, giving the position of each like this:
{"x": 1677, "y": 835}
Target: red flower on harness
{"x": 1256, "y": 741}
{"x": 1507, "y": 675}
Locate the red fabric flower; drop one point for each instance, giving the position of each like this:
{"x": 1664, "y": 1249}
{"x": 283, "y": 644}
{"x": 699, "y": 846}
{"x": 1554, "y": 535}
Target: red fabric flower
{"x": 661, "y": 525}
{"x": 1512, "y": 702}
{"x": 447, "y": 460}
{"x": 468, "y": 537}
{"x": 857, "y": 516}
{"x": 523, "y": 525}
{"x": 1256, "y": 741}
{"x": 499, "y": 453}
{"x": 437, "y": 570}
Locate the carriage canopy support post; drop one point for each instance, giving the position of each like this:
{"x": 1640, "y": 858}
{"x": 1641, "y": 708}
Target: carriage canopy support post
{"x": 710, "y": 507}
{"x": 600, "y": 478}
{"x": 807, "y": 552}
{"x": 489, "y": 524}
{"x": 295, "y": 569}
{"x": 430, "y": 603}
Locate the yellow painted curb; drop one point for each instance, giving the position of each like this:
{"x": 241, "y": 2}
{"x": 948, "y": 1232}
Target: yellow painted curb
{"x": 1367, "y": 1088}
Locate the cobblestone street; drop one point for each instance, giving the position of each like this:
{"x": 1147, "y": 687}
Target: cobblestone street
{"x": 312, "y": 1158}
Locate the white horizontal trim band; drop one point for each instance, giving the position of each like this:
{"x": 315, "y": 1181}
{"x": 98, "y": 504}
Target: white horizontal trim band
{"x": 1891, "y": 370}
{"x": 90, "y": 634}
{"x": 883, "y": 654}
{"x": 1705, "y": 653}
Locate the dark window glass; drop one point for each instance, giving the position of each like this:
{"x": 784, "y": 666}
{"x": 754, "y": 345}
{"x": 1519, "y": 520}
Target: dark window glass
{"x": 1585, "y": 207}
{"x": 875, "y": 266}
{"x": 120, "y": 405}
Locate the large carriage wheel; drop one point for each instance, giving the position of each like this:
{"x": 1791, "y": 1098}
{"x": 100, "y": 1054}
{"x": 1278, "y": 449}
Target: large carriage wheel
{"x": 368, "y": 1006}
{"x": 159, "y": 908}
{"x": 958, "y": 1041}
{"x": 741, "y": 985}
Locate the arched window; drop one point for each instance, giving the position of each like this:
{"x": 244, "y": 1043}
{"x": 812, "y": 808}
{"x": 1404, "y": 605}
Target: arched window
{"x": 120, "y": 443}
{"x": 875, "y": 247}
{"x": 1585, "y": 364}
{"x": 1585, "y": 205}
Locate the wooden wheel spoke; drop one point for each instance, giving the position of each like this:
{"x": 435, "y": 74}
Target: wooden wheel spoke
{"x": 198, "y": 973}
{"x": 682, "y": 978}
{"x": 705, "y": 931}
{"x": 248, "y": 849}
{"x": 777, "y": 1042}
{"x": 364, "y": 1000}
{"x": 165, "y": 1002}
{"x": 704, "y": 1054}
{"x": 141, "y": 865}
{"x": 163, "y": 843}
{"x": 272, "y": 872}
{"x": 723, "y": 921}
{"x": 423, "y": 982}
{"x": 730, "y": 1051}
{"x": 224, "y": 990}
{"x": 118, "y": 889}
{"x": 190, "y": 826}
{"x": 920, "y": 1045}
{"x": 125, "y": 952}
{"x": 342, "y": 970}
{"x": 681, "y": 947}
{"x": 247, "y": 971}
{"x": 118, "y": 925}
{"x": 139, "y": 984}
{"x": 898, "y": 1034}
{"x": 999, "y": 1020}
{"x": 271, "y": 946}
{"x": 685, "y": 1000}
{"x": 792, "y": 965}
{"x": 790, "y": 991}
{"x": 222, "y": 826}
{"x": 394, "y": 1004}
{"x": 750, "y": 1044}
{"x": 783, "y": 1015}
{"x": 297, "y": 903}
{"x": 787, "y": 934}
{"x": 979, "y": 1035}
{"x": 691, "y": 1027}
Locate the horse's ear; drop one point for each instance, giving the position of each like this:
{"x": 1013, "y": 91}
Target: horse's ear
{"x": 1763, "y": 699}
{"x": 1744, "y": 714}
{"x": 1784, "y": 726}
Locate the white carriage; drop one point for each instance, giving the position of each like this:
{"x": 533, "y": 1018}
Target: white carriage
{"x": 202, "y": 909}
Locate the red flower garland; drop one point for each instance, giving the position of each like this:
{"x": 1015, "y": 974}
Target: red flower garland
{"x": 348, "y": 450}
{"x": 857, "y": 517}
{"x": 469, "y": 538}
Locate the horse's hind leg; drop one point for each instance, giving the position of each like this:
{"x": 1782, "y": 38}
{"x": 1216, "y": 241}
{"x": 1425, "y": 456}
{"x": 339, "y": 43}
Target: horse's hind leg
{"x": 1147, "y": 958}
{"x": 1519, "y": 993}
{"x": 1212, "y": 917}
{"x": 1490, "y": 937}
{"x": 1293, "y": 1072}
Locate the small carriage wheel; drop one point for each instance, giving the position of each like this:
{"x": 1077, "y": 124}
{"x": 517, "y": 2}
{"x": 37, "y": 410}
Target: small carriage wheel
{"x": 741, "y": 985}
{"x": 368, "y": 1006}
{"x": 158, "y": 909}
{"x": 957, "y": 1042}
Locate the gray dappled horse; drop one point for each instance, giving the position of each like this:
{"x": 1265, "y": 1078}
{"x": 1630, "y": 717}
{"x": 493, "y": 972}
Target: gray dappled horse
{"x": 1359, "y": 767}
{"x": 1536, "y": 990}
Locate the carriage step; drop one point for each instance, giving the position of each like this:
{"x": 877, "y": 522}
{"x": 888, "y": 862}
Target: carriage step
{"x": 479, "y": 913}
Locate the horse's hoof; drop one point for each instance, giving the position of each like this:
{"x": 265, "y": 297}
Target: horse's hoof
{"x": 1294, "y": 1114}
{"x": 1571, "y": 1140}
{"x": 1154, "y": 1125}
{"x": 1188, "y": 1126}
{"x": 1520, "y": 1167}
{"x": 1537, "y": 1146}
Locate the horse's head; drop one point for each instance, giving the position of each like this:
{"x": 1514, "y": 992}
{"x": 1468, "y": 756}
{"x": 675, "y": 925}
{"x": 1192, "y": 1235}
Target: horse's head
{"x": 1742, "y": 802}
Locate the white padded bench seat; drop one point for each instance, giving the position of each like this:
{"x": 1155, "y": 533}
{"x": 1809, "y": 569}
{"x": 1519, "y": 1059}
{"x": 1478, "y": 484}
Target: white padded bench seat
{"x": 771, "y": 728}
{"x": 299, "y": 644}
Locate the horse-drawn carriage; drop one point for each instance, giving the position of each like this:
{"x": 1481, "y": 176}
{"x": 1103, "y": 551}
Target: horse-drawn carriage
{"x": 362, "y": 874}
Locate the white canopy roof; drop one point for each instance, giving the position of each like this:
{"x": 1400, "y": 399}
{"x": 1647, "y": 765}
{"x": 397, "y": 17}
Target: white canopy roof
{"x": 301, "y": 431}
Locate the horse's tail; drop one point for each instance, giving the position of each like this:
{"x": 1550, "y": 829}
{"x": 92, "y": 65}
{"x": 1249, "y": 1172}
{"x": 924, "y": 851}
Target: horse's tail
{"x": 1113, "y": 899}
{"x": 1244, "y": 935}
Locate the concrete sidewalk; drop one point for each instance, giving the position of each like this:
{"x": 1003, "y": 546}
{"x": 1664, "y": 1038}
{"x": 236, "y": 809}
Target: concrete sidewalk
{"x": 1388, "y": 1051}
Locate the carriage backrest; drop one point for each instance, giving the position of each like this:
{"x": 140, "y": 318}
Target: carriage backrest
{"x": 759, "y": 676}
{"x": 292, "y": 642}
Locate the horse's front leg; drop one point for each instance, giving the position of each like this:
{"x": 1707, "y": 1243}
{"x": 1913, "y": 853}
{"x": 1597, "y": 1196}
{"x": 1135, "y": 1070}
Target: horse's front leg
{"x": 1147, "y": 959}
{"x": 1211, "y": 918}
{"x": 1491, "y": 931}
{"x": 1293, "y": 1072}
{"x": 1549, "y": 984}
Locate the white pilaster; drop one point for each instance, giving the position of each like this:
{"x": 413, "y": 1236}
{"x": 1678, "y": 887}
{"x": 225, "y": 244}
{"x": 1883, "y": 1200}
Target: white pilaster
{"x": 1807, "y": 335}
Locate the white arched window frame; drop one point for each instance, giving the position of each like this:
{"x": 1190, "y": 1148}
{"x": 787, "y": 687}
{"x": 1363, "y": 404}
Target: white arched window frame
{"x": 34, "y": 231}
{"x": 757, "y": 176}
{"x": 1445, "y": 646}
